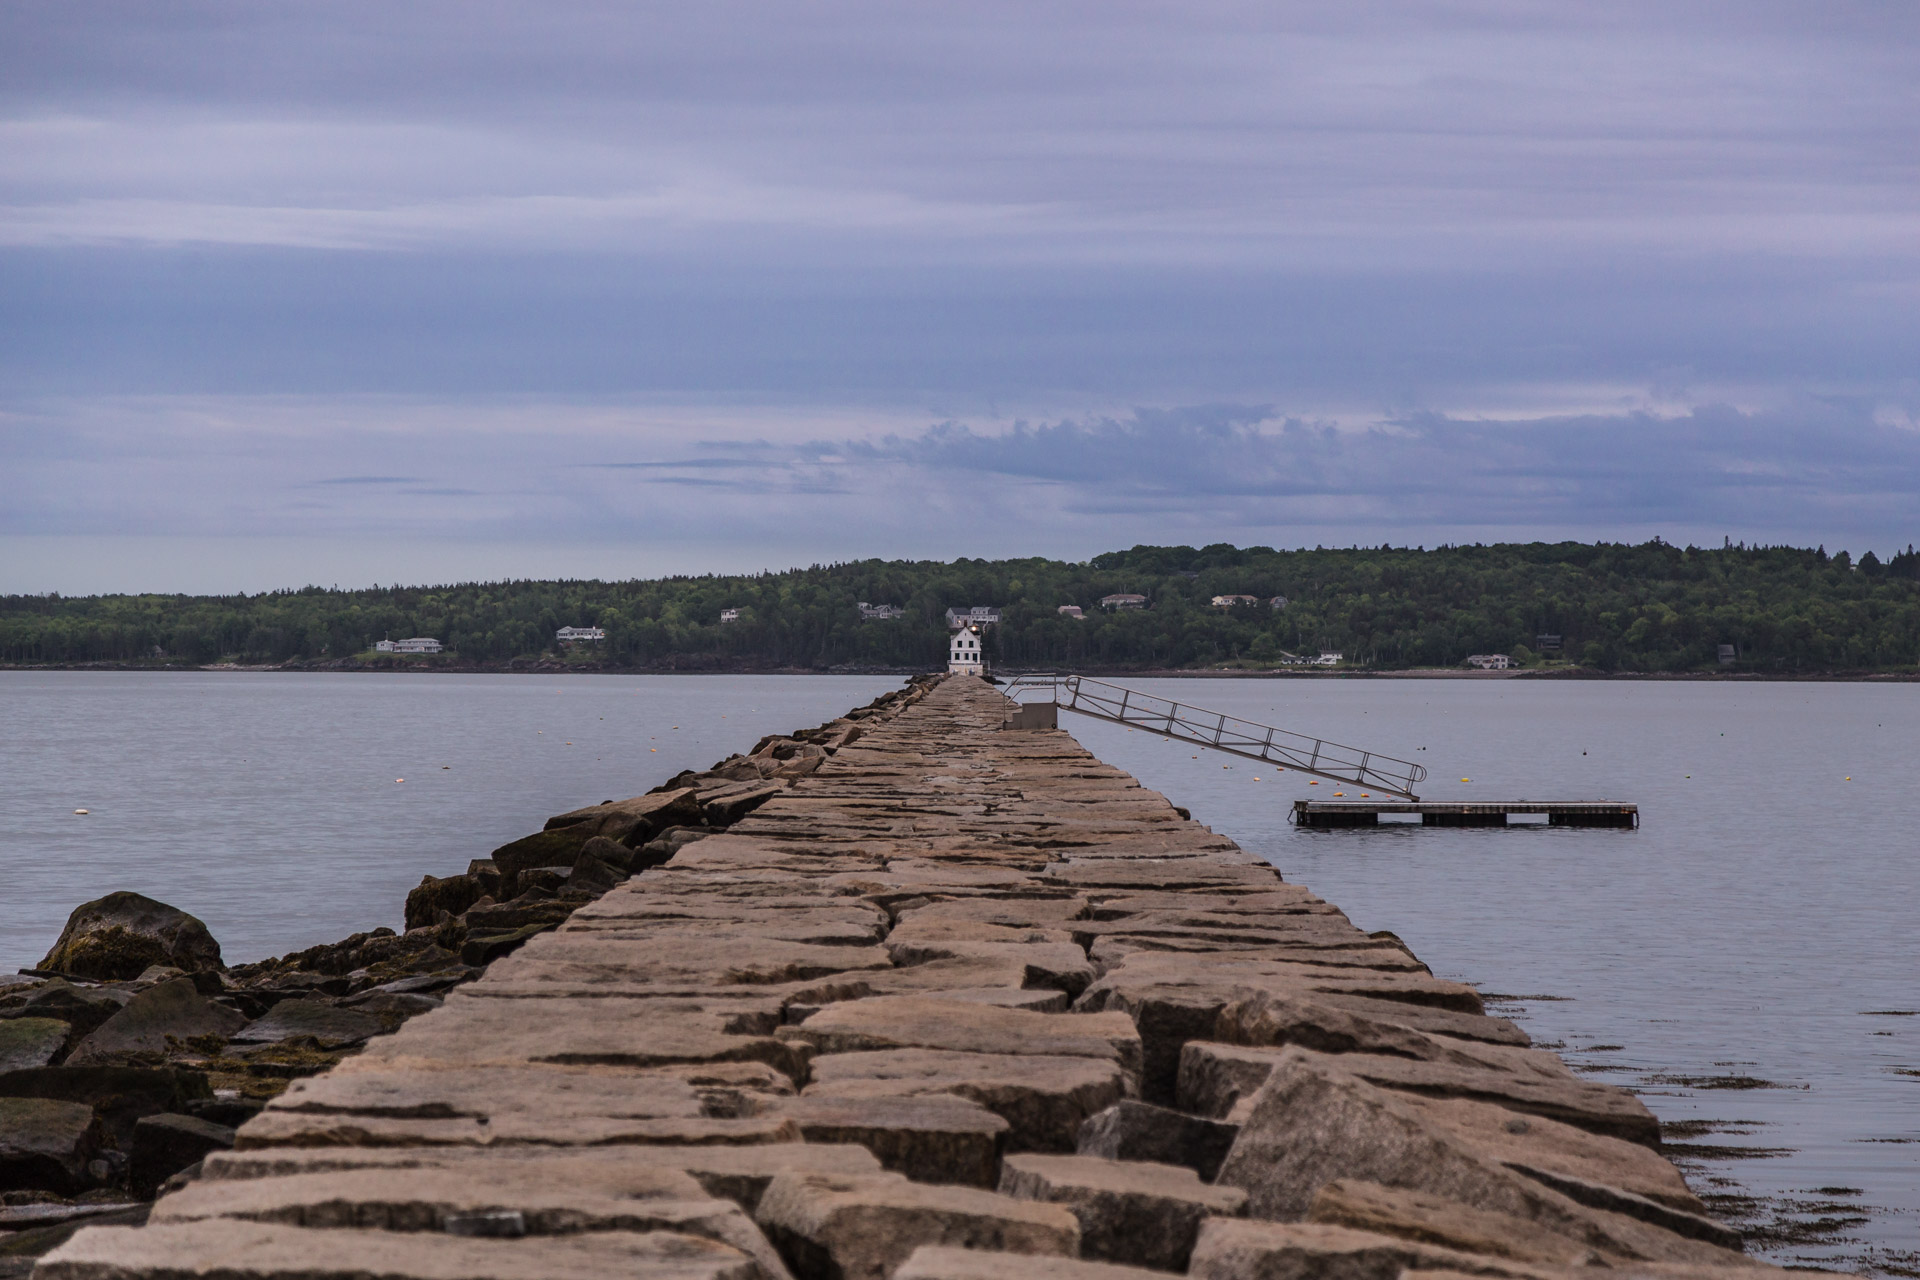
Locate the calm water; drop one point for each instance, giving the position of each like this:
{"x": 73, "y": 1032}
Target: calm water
{"x": 268, "y": 805}
{"x": 1759, "y": 925}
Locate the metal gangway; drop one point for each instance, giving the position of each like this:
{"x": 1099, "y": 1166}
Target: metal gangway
{"x": 1118, "y": 704}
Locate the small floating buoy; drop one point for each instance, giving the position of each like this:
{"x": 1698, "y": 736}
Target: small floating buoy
{"x": 446, "y": 766}
{"x": 80, "y": 811}
{"x": 1466, "y": 779}
{"x": 1339, "y": 793}
{"x": 399, "y": 779}
{"x": 1314, "y": 783}
{"x": 1849, "y": 779}
{"x": 1365, "y": 796}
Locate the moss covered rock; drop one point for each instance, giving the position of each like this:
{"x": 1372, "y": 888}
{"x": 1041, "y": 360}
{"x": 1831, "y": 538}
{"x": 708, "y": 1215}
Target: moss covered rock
{"x": 117, "y": 937}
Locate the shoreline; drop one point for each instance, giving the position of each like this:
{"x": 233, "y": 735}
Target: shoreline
{"x": 553, "y": 668}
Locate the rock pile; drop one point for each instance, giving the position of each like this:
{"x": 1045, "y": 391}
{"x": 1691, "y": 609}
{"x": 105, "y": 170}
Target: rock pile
{"x": 946, "y": 1002}
{"x": 131, "y": 1052}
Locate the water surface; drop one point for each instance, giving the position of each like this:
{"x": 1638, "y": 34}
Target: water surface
{"x": 272, "y": 806}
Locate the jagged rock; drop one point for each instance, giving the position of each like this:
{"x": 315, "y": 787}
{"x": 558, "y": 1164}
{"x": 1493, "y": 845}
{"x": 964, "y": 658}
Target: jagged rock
{"x": 616, "y": 855}
{"x": 118, "y": 1095}
{"x": 862, "y": 1227}
{"x": 451, "y": 894}
{"x": 631, "y": 822}
{"x": 671, "y": 841}
{"x": 917, "y": 1022}
{"x": 45, "y": 1145}
{"x": 116, "y": 937}
{"x": 591, "y": 875}
{"x": 30, "y": 1042}
{"x": 82, "y": 1008}
{"x": 559, "y": 1195}
{"x": 165, "y": 1144}
{"x": 392, "y": 1007}
{"x": 542, "y": 849}
{"x": 1216, "y": 1078}
{"x": 172, "y": 1012}
{"x": 736, "y": 1173}
{"x": 487, "y": 872}
{"x": 936, "y": 1262}
{"x": 726, "y": 807}
{"x": 1551, "y": 1152}
{"x": 1435, "y": 1220}
{"x": 227, "y": 1112}
{"x": 1238, "y": 1250}
{"x": 481, "y": 949}
{"x": 269, "y": 1251}
{"x": 1132, "y": 1130}
{"x": 932, "y": 1138}
{"x": 332, "y": 1026}
{"x": 1129, "y": 1211}
{"x": 1044, "y": 1100}
{"x": 1312, "y": 1123}
{"x": 1059, "y": 965}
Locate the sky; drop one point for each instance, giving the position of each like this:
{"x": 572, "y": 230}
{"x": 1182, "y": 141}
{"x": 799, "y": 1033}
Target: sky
{"x": 360, "y": 292}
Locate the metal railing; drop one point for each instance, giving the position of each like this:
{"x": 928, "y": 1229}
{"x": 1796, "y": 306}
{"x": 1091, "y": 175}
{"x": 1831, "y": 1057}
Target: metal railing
{"x": 1219, "y": 732}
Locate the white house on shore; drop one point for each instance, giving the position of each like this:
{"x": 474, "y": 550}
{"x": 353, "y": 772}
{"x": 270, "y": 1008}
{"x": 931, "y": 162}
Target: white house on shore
{"x": 572, "y": 635}
{"x": 1489, "y": 661}
{"x": 963, "y": 653}
{"x": 418, "y": 644}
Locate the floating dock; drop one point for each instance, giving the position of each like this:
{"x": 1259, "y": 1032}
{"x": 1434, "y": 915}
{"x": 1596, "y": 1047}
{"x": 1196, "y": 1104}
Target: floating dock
{"x": 1478, "y": 813}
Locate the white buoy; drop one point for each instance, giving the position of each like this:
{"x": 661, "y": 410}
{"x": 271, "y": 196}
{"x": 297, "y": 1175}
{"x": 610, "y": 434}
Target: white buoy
{"x": 80, "y": 811}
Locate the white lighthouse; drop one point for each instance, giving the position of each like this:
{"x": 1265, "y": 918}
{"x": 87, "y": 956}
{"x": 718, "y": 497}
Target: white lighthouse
{"x": 963, "y": 652}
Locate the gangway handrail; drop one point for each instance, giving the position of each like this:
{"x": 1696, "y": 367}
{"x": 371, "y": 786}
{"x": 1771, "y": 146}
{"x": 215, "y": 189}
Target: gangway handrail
{"x": 1282, "y": 748}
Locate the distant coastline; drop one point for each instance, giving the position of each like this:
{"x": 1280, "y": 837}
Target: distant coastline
{"x": 454, "y": 666}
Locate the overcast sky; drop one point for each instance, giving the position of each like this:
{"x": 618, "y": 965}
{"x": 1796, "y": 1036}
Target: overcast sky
{"x": 357, "y": 292}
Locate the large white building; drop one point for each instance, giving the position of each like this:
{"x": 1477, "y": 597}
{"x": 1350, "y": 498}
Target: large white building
{"x": 963, "y": 652}
{"x": 418, "y": 644}
{"x": 568, "y": 635}
{"x": 978, "y": 616}
{"x": 1489, "y": 661}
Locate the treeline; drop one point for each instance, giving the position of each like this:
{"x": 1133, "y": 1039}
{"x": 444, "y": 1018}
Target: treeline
{"x": 1651, "y": 607}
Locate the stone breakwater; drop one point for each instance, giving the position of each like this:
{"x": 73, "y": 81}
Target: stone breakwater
{"x": 954, "y": 1001}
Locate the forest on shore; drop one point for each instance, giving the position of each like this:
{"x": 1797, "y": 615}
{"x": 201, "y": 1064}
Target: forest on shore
{"x": 1651, "y": 607}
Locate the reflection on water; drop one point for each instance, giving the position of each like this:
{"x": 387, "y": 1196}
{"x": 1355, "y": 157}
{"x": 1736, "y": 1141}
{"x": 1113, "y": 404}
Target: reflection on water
{"x": 1747, "y": 960}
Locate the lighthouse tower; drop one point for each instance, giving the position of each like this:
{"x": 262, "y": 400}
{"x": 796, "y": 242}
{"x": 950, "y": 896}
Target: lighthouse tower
{"x": 963, "y": 652}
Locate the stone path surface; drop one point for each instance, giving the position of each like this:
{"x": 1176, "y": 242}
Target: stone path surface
{"x": 963, "y": 1002}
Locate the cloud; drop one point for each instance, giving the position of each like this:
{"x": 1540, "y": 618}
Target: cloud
{"x": 731, "y": 278}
